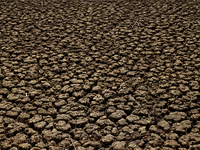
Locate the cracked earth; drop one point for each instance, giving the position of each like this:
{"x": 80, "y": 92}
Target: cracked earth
{"x": 99, "y": 75}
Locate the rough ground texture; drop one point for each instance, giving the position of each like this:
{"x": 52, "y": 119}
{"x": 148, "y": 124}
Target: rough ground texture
{"x": 99, "y": 75}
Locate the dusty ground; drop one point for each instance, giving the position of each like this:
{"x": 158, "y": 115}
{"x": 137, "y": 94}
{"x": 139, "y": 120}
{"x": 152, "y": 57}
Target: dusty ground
{"x": 106, "y": 75}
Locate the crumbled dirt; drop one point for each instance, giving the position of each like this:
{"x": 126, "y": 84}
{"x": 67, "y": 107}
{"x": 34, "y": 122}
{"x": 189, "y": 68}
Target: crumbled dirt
{"x": 106, "y": 75}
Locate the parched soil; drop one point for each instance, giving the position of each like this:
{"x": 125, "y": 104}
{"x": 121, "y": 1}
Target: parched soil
{"x": 99, "y": 75}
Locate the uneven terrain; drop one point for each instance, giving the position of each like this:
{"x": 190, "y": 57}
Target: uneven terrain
{"x": 99, "y": 75}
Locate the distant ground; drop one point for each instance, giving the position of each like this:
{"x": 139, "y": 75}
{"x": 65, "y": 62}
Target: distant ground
{"x": 99, "y": 75}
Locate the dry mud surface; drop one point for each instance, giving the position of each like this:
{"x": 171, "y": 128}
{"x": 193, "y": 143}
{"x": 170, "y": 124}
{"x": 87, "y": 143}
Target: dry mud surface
{"x": 99, "y": 75}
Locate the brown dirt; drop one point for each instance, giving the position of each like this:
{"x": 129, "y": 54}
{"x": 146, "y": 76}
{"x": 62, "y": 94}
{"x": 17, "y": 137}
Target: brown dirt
{"x": 107, "y": 75}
